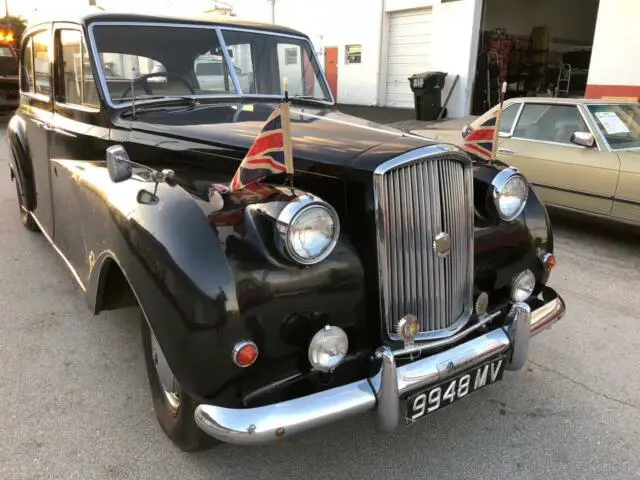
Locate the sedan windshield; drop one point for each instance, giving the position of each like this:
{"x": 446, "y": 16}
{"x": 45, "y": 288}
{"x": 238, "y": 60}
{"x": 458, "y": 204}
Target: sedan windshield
{"x": 143, "y": 61}
{"x": 619, "y": 124}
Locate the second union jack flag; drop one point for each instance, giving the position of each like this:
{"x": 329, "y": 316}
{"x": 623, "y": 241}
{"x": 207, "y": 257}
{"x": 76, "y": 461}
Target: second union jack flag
{"x": 270, "y": 153}
{"x": 479, "y": 142}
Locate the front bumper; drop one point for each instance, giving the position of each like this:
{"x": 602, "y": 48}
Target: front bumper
{"x": 383, "y": 391}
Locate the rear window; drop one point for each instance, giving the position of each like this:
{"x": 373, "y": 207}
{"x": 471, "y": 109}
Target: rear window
{"x": 209, "y": 68}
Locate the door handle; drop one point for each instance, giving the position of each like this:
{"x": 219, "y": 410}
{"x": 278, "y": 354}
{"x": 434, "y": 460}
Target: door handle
{"x": 46, "y": 126}
{"x": 506, "y": 151}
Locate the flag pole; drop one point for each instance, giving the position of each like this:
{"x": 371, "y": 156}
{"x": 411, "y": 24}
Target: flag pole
{"x": 286, "y": 131}
{"x": 496, "y": 134}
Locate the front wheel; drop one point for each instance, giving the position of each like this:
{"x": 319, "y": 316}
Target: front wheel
{"x": 25, "y": 216}
{"x": 173, "y": 406}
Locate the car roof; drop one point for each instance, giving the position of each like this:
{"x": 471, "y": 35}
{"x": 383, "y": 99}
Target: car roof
{"x": 571, "y": 101}
{"x": 88, "y": 15}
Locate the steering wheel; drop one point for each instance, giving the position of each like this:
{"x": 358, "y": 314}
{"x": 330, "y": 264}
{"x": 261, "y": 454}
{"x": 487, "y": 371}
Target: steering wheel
{"x": 142, "y": 81}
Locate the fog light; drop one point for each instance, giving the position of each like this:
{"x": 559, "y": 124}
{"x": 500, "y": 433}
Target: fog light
{"x": 245, "y": 353}
{"x": 482, "y": 304}
{"x": 328, "y": 348}
{"x": 522, "y": 286}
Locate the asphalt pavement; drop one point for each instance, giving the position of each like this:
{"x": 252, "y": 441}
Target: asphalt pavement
{"x": 75, "y": 402}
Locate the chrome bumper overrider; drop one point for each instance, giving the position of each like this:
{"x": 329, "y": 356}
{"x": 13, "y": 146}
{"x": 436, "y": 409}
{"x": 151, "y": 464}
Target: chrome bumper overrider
{"x": 382, "y": 392}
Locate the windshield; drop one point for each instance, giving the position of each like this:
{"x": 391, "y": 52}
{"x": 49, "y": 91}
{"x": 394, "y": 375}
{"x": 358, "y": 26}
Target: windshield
{"x": 619, "y": 124}
{"x": 163, "y": 60}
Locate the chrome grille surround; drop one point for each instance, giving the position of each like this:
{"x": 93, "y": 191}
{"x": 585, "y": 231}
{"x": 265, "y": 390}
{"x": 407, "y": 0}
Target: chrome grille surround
{"x": 406, "y": 226}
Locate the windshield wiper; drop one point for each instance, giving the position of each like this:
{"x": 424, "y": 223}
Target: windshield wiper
{"x": 308, "y": 98}
{"x": 152, "y": 101}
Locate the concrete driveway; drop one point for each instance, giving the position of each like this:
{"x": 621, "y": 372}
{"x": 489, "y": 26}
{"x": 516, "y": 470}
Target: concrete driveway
{"x": 75, "y": 401}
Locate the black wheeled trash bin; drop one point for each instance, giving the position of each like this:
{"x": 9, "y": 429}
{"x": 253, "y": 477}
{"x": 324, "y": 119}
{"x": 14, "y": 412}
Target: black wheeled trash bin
{"x": 427, "y": 94}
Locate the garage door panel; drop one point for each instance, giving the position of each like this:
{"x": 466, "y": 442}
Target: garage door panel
{"x": 422, "y": 16}
{"x": 408, "y": 52}
{"x": 419, "y": 43}
{"x": 412, "y": 29}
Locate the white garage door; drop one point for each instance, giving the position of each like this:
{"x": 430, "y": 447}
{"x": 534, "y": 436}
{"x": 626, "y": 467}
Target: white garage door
{"x": 407, "y": 53}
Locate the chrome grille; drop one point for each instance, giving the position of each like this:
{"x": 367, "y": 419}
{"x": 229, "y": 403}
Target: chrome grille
{"x": 417, "y": 199}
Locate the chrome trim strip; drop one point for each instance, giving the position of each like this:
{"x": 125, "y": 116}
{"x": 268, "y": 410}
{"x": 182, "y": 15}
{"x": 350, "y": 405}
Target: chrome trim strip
{"x": 571, "y": 190}
{"x": 251, "y": 426}
{"x": 547, "y": 142}
{"x": 419, "y": 280}
{"x": 626, "y": 200}
{"x": 55, "y": 247}
{"x": 218, "y": 29}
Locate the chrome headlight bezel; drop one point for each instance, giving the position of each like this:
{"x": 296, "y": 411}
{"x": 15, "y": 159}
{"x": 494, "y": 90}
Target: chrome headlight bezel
{"x": 500, "y": 183}
{"x": 287, "y": 219}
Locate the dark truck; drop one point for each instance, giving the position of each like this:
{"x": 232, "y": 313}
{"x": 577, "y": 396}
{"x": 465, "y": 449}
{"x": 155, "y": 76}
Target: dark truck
{"x": 9, "y": 91}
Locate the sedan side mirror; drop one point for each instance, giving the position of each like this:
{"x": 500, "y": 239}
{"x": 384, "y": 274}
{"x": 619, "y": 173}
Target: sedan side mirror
{"x": 584, "y": 139}
{"x": 466, "y": 130}
{"x": 118, "y": 164}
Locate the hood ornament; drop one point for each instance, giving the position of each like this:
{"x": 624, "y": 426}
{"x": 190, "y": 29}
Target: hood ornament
{"x": 442, "y": 244}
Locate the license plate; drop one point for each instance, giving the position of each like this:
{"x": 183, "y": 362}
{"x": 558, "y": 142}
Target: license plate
{"x": 428, "y": 401}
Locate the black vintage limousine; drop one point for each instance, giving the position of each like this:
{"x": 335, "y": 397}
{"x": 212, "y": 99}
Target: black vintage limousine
{"x": 389, "y": 273}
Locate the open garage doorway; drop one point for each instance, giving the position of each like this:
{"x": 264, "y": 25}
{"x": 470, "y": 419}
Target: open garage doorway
{"x": 539, "y": 47}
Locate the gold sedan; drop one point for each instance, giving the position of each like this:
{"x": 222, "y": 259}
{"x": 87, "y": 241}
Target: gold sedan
{"x": 582, "y": 155}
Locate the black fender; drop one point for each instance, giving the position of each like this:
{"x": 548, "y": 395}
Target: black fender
{"x": 20, "y": 161}
{"x": 503, "y": 249}
{"x": 205, "y": 280}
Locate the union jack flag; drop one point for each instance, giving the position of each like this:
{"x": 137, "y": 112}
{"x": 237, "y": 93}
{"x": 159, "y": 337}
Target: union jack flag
{"x": 479, "y": 142}
{"x": 270, "y": 153}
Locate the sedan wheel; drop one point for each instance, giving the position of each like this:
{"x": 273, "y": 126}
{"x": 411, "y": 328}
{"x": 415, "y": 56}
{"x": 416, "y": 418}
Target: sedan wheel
{"x": 25, "y": 216}
{"x": 173, "y": 406}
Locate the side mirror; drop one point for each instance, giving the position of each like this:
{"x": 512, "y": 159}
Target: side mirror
{"x": 118, "y": 164}
{"x": 584, "y": 139}
{"x": 466, "y": 130}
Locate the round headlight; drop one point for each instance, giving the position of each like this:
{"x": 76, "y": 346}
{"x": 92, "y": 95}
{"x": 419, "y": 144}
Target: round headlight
{"x": 328, "y": 348}
{"x": 523, "y": 285}
{"x": 510, "y": 193}
{"x": 308, "y": 230}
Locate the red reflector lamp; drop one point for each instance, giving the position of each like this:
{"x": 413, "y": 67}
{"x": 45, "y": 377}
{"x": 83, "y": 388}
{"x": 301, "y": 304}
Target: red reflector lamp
{"x": 549, "y": 261}
{"x": 245, "y": 353}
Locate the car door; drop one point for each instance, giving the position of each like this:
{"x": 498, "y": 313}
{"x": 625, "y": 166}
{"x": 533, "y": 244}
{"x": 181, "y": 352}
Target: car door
{"x": 80, "y": 136}
{"x": 564, "y": 174}
{"x": 627, "y": 202}
{"x": 619, "y": 126}
{"x": 36, "y": 110}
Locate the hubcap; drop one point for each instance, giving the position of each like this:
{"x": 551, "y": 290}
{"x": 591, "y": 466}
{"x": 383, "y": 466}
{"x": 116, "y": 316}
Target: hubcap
{"x": 168, "y": 382}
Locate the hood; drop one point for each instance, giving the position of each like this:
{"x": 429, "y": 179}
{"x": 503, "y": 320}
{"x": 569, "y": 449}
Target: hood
{"x": 325, "y": 141}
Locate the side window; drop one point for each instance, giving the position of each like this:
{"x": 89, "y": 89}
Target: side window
{"x": 26, "y": 67}
{"x": 41, "y": 63}
{"x": 75, "y": 79}
{"x": 549, "y": 123}
{"x": 507, "y": 117}
{"x": 69, "y": 67}
{"x": 90, "y": 90}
